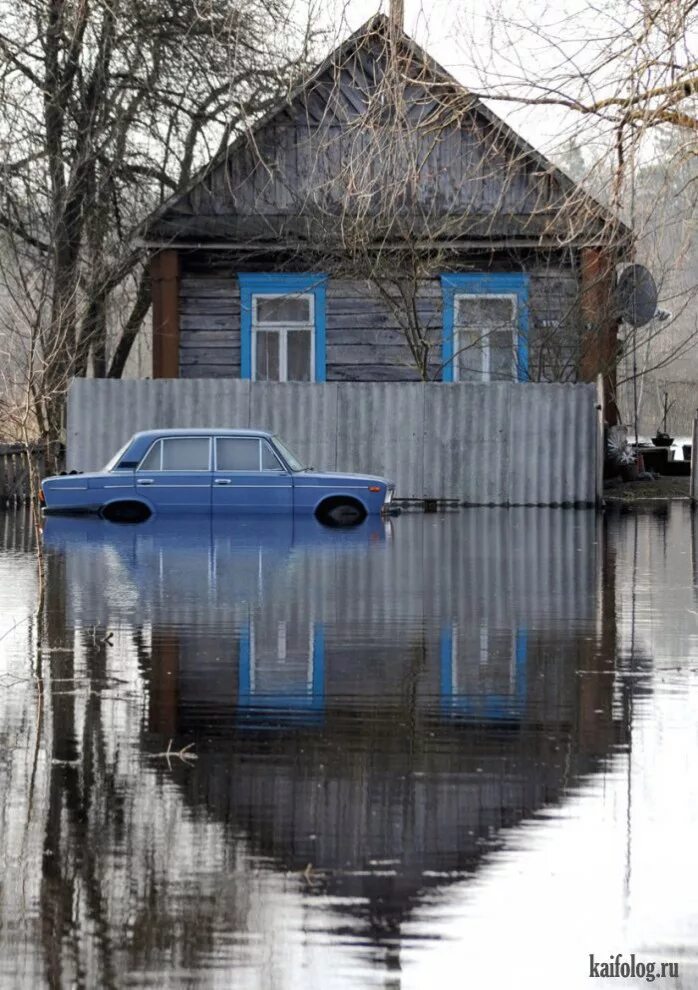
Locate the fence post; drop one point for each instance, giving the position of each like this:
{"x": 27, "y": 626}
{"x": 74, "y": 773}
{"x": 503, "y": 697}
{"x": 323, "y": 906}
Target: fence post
{"x": 694, "y": 462}
{"x": 13, "y": 467}
{"x": 600, "y": 436}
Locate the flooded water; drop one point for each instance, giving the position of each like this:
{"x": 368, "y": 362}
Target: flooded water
{"x": 441, "y": 751}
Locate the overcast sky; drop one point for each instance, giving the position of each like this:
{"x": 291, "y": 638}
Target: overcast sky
{"x": 509, "y": 45}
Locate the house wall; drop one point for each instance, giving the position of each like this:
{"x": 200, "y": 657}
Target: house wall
{"x": 364, "y": 339}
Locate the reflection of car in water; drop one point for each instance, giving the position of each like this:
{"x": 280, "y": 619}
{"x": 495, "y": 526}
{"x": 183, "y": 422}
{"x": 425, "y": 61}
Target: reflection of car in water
{"x": 214, "y": 470}
{"x": 76, "y": 533}
{"x": 380, "y": 708}
{"x": 173, "y": 569}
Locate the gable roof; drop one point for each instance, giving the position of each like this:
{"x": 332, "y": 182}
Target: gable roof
{"x": 478, "y": 179}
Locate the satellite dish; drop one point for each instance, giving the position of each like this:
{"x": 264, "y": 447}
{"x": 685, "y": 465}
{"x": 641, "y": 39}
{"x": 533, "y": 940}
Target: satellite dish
{"x": 636, "y": 295}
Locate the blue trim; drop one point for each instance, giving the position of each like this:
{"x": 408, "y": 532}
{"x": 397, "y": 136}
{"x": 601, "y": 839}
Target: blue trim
{"x": 499, "y": 283}
{"x": 318, "y": 665}
{"x": 281, "y": 282}
{"x": 446, "y": 665}
{"x": 244, "y": 666}
{"x": 521, "y": 662}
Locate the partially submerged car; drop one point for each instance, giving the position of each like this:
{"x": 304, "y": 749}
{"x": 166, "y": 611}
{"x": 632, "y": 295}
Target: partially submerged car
{"x": 247, "y": 471}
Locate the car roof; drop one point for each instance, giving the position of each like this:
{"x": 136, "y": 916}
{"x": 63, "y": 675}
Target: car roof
{"x": 201, "y": 432}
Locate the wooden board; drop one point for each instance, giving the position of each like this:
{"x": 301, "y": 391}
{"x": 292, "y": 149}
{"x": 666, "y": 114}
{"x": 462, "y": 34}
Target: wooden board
{"x": 364, "y": 339}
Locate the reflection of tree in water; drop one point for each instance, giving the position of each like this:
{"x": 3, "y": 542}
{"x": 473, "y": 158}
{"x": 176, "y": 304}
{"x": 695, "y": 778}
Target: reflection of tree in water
{"x": 389, "y": 788}
{"x": 105, "y": 894}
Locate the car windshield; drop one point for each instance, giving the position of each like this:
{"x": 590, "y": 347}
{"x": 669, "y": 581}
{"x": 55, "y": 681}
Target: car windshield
{"x": 290, "y": 459}
{"x": 110, "y": 465}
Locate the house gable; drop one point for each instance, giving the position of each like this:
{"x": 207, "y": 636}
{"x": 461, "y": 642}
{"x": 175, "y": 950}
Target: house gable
{"x": 380, "y": 143}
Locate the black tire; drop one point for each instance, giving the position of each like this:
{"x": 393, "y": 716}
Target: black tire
{"x": 339, "y": 512}
{"x": 126, "y": 512}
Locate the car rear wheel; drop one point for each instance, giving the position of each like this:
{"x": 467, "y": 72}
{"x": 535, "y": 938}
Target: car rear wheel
{"x": 341, "y": 512}
{"x": 125, "y": 512}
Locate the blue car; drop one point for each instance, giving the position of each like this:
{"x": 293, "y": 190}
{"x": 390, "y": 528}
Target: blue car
{"x": 240, "y": 471}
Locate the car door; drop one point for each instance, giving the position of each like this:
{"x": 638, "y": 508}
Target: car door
{"x": 249, "y": 477}
{"x": 175, "y": 474}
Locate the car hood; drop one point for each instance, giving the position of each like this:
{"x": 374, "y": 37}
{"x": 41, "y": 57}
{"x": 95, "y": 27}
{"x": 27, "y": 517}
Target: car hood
{"x": 72, "y": 478}
{"x": 339, "y": 477}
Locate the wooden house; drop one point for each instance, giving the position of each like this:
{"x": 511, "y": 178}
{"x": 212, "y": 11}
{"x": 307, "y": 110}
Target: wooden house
{"x": 382, "y": 224}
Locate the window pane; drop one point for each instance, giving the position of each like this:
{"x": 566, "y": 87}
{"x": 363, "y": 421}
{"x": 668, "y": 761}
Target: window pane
{"x": 282, "y": 658}
{"x": 298, "y": 358}
{"x": 289, "y": 457}
{"x": 483, "y": 662}
{"x": 283, "y": 309}
{"x": 476, "y": 311}
{"x": 472, "y": 355}
{"x": 237, "y": 454}
{"x": 269, "y": 461}
{"x": 502, "y": 355}
{"x": 151, "y": 461}
{"x": 267, "y": 356}
{"x": 185, "y": 454}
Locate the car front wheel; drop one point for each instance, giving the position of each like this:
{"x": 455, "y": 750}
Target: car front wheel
{"x": 125, "y": 512}
{"x": 341, "y": 512}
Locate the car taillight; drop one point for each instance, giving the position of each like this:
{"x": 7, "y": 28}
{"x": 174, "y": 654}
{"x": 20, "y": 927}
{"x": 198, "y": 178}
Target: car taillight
{"x": 42, "y": 497}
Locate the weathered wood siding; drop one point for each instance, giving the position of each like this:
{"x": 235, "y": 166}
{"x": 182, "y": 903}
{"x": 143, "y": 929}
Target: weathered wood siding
{"x": 364, "y": 339}
{"x": 295, "y": 180}
{"x": 209, "y": 329}
{"x": 554, "y": 326}
{"x": 442, "y": 163}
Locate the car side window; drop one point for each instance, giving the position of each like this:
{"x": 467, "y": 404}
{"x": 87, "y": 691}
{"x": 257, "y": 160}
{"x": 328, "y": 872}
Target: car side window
{"x": 153, "y": 459}
{"x": 237, "y": 454}
{"x": 245, "y": 454}
{"x": 270, "y": 462}
{"x": 178, "y": 454}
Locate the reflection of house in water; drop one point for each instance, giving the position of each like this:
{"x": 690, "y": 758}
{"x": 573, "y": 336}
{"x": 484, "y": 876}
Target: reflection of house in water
{"x": 379, "y": 706}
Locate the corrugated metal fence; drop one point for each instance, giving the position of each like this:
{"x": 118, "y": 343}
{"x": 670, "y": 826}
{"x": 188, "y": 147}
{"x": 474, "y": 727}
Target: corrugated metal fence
{"x": 499, "y": 444}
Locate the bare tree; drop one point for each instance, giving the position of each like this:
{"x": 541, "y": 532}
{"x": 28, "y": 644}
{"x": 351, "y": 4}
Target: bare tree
{"x": 106, "y": 109}
{"x": 619, "y": 84}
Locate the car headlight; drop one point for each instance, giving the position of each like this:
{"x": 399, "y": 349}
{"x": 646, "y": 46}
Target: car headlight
{"x": 389, "y": 494}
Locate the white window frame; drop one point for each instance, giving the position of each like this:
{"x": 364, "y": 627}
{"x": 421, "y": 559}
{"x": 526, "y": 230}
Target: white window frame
{"x": 282, "y": 327}
{"x": 485, "y": 343}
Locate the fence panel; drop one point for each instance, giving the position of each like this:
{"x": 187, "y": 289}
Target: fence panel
{"x": 15, "y": 482}
{"x": 503, "y": 444}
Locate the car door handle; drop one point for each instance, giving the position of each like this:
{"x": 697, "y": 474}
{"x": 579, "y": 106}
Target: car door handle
{"x": 222, "y": 481}
{"x": 144, "y": 481}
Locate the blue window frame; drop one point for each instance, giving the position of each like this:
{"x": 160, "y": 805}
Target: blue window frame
{"x": 260, "y": 293}
{"x": 486, "y": 285}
